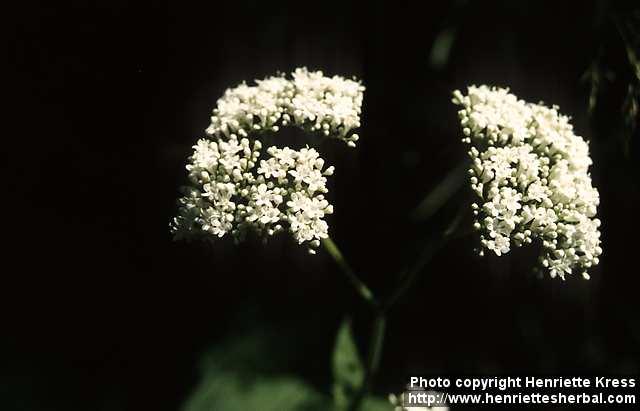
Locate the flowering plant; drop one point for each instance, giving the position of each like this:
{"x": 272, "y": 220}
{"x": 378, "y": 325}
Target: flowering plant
{"x": 529, "y": 173}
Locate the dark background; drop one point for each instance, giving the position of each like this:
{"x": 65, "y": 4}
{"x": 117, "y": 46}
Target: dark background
{"x": 102, "y": 311}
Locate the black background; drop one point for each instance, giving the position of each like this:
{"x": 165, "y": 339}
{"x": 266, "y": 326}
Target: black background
{"x": 101, "y": 310}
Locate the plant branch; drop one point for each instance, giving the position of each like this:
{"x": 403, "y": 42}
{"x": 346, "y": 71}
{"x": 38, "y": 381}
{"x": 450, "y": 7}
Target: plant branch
{"x": 428, "y": 207}
{"x": 427, "y": 254}
{"x": 361, "y": 288}
{"x": 442, "y": 192}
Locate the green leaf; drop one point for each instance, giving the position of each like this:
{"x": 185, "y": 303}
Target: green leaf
{"x": 252, "y": 372}
{"x": 348, "y": 371}
{"x": 228, "y": 391}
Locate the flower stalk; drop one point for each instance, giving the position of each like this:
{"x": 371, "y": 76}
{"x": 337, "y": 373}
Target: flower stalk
{"x": 361, "y": 288}
{"x": 381, "y": 309}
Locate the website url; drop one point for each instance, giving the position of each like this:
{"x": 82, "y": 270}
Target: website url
{"x": 431, "y": 399}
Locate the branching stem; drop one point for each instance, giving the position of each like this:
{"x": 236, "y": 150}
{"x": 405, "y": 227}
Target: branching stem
{"x": 376, "y": 342}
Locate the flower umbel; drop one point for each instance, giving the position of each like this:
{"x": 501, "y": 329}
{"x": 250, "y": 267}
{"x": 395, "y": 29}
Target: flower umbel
{"x": 311, "y": 101}
{"x": 233, "y": 190}
{"x": 531, "y": 175}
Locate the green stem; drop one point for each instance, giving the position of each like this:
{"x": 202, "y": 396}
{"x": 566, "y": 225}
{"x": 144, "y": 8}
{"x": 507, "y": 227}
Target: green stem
{"x": 379, "y": 325}
{"x": 427, "y": 254}
{"x": 377, "y": 342}
{"x": 360, "y": 287}
{"x": 373, "y": 359}
{"x": 442, "y": 192}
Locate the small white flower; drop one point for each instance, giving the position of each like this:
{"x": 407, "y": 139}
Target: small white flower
{"x": 298, "y": 202}
{"x": 265, "y": 197}
{"x": 271, "y": 168}
{"x": 286, "y": 157}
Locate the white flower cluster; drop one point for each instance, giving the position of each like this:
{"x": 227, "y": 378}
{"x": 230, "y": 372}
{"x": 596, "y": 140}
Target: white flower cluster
{"x": 233, "y": 191}
{"x": 531, "y": 174}
{"x": 329, "y": 105}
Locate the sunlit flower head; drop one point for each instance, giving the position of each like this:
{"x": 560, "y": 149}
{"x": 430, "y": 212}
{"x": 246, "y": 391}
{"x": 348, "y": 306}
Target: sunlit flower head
{"x": 236, "y": 187}
{"x": 530, "y": 173}
{"x": 329, "y": 106}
